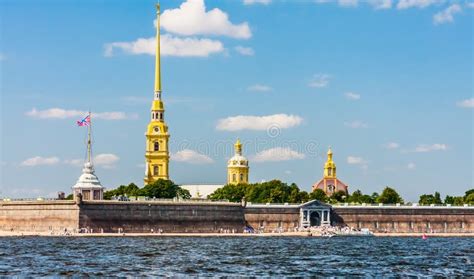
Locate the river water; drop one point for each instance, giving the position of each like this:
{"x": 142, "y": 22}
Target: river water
{"x": 236, "y": 256}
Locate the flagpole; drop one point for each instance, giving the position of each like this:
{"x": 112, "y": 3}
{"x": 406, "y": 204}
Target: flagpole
{"x": 89, "y": 148}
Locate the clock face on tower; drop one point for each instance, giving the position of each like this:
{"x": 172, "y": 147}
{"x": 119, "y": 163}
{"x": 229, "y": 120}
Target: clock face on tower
{"x": 156, "y": 129}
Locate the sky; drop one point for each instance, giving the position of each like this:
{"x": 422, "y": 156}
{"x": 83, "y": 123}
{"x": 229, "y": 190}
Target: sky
{"x": 387, "y": 84}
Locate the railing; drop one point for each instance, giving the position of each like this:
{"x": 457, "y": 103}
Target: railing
{"x": 413, "y": 205}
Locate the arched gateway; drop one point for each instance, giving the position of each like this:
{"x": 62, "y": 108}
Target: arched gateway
{"x": 315, "y": 213}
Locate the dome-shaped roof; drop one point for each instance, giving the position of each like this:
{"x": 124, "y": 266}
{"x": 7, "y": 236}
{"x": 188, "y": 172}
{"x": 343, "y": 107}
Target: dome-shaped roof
{"x": 238, "y": 161}
{"x": 88, "y": 179}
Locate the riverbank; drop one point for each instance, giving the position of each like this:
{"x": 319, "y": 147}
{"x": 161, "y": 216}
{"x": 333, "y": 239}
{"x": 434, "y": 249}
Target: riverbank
{"x": 284, "y": 234}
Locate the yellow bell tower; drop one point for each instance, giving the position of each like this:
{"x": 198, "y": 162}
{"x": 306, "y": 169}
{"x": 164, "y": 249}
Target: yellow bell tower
{"x": 238, "y": 167}
{"x": 330, "y": 166}
{"x": 157, "y": 154}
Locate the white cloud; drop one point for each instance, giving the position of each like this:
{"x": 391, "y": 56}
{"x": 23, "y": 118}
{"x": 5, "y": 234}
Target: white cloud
{"x": 2, "y": 57}
{"x": 348, "y": 3}
{"x": 355, "y": 160}
{"x": 319, "y": 80}
{"x": 40, "y": 161}
{"x": 106, "y": 160}
{"x": 251, "y": 2}
{"x": 468, "y": 103}
{"x": 60, "y": 113}
{"x": 411, "y": 166}
{"x": 391, "y": 145}
{"x": 470, "y": 5}
{"x": 170, "y": 46}
{"x": 191, "y": 18}
{"x": 249, "y": 122}
{"x": 432, "y": 147}
{"x": 405, "y": 4}
{"x": 352, "y": 96}
{"x": 247, "y": 51}
{"x": 191, "y": 156}
{"x": 356, "y": 124}
{"x": 380, "y": 4}
{"x": 277, "y": 154}
{"x": 259, "y": 88}
{"x": 447, "y": 15}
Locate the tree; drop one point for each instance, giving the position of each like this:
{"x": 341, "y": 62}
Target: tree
{"x": 161, "y": 189}
{"x": 430, "y": 199}
{"x": 339, "y": 196}
{"x": 319, "y": 195}
{"x": 70, "y": 197}
{"x": 232, "y": 193}
{"x": 358, "y": 197}
{"x": 469, "y": 199}
{"x": 389, "y": 195}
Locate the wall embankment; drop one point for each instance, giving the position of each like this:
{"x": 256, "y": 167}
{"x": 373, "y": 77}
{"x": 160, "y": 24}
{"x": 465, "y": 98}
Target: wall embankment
{"x": 166, "y": 217}
{"x": 406, "y": 219}
{"x": 38, "y": 216}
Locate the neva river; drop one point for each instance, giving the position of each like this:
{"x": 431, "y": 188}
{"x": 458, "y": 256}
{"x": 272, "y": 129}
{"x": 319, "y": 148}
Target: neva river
{"x": 236, "y": 256}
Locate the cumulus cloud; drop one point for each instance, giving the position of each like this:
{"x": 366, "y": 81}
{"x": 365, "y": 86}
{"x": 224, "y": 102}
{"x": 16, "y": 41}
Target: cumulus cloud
{"x": 356, "y": 124}
{"x": 259, "y": 88}
{"x": 74, "y": 162}
{"x": 249, "y": 122}
{"x": 352, "y": 96}
{"x": 431, "y": 147}
{"x": 191, "y": 18}
{"x": 319, "y": 81}
{"x": 169, "y": 46}
{"x": 252, "y": 2}
{"x": 354, "y": 160}
{"x": 391, "y": 145}
{"x": 191, "y": 156}
{"x": 411, "y": 166}
{"x": 40, "y": 161}
{"x": 247, "y": 51}
{"x": 468, "y": 103}
{"x": 406, "y": 4}
{"x": 380, "y": 4}
{"x": 348, "y": 3}
{"x": 60, "y": 113}
{"x": 447, "y": 15}
{"x": 106, "y": 160}
{"x": 470, "y": 5}
{"x": 277, "y": 154}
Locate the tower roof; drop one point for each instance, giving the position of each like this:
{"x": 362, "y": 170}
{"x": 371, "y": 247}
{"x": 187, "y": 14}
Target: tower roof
{"x": 157, "y": 52}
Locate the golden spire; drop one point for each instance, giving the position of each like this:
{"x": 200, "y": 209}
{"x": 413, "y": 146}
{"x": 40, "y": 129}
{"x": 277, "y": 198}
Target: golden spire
{"x": 238, "y": 147}
{"x": 329, "y": 154}
{"x": 157, "y": 61}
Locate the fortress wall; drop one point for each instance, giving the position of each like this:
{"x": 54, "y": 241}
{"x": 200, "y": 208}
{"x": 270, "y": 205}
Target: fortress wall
{"x": 269, "y": 219}
{"x": 406, "y": 219}
{"x": 169, "y": 217}
{"x": 38, "y": 216}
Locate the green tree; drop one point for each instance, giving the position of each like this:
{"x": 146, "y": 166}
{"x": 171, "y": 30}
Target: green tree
{"x": 70, "y": 197}
{"x": 430, "y": 199}
{"x": 161, "y": 189}
{"x": 389, "y": 196}
{"x": 232, "y": 193}
{"x": 319, "y": 195}
{"x": 469, "y": 199}
{"x": 339, "y": 196}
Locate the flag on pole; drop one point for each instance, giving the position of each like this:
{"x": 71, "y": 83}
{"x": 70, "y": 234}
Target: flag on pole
{"x": 84, "y": 122}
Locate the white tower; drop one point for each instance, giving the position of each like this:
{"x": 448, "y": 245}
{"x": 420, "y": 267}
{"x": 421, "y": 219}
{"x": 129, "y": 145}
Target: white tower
{"x": 88, "y": 184}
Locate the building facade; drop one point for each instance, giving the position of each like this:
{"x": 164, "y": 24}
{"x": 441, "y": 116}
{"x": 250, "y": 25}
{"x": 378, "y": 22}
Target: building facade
{"x": 330, "y": 184}
{"x": 157, "y": 136}
{"x": 238, "y": 167}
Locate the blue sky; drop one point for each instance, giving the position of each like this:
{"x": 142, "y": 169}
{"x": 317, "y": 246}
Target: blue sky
{"x": 387, "y": 84}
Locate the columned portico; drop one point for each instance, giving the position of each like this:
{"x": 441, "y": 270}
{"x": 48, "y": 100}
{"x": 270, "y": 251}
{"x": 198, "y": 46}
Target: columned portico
{"x": 313, "y": 217}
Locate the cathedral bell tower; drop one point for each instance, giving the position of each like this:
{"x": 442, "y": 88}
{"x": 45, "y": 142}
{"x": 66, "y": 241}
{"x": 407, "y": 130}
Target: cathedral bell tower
{"x": 238, "y": 167}
{"x": 157, "y": 137}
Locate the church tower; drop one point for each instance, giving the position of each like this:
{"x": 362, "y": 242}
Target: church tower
{"x": 157, "y": 137}
{"x": 330, "y": 184}
{"x": 238, "y": 167}
{"x": 329, "y": 166}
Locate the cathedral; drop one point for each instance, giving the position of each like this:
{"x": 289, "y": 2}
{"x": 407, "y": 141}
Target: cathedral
{"x": 157, "y": 136}
{"x": 330, "y": 184}
{"x": 238, "y": 167}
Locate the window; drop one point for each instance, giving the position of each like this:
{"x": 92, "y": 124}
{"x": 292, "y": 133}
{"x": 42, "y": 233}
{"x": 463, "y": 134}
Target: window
{"x": 155, "y": 170}
{"x": 329, "y": 172}
{"x": 156, "y": 146}
{"x": 233, "y": 177}
{"x": 161, "y": 116}
{"x": 241, "y": 177}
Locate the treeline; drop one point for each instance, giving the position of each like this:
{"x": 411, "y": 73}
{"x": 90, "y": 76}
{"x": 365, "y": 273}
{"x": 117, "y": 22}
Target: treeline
{"x": 160, "y": 189}
{"x": 276, "y": 191}
{"x": 435, "y": 198}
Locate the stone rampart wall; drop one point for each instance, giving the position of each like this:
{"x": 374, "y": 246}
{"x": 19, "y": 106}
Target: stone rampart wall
{"x": 146, "y": 217}
{"x": 268, "y": 219}
{"x": 39, "y": 216}
{"x": 406, "y": 219}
